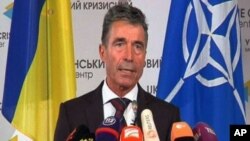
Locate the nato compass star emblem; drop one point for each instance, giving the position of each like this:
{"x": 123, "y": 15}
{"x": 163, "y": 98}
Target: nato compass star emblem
{"x": 209, "y": 40}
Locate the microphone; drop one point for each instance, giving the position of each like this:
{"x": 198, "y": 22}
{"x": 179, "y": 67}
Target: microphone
{"x": 131, "y": 133}
{"x": 181, "y": 131}
{"x": 202, "y": 132}
{"x": 148, "y": 126}
{"x": 108, "y": 130}
{"x": 134, "y": 108}
{"x": 81, "y": 133}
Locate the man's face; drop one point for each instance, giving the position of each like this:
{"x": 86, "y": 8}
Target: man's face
{"x": 124, "y": 54}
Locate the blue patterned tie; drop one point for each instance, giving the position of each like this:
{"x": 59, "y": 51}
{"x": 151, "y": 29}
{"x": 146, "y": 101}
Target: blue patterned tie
{"x": 120, "y": 105}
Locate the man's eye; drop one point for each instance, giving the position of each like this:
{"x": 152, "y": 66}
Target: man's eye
{"x": 119, "y": 44}
{"x": 139, "y": 48}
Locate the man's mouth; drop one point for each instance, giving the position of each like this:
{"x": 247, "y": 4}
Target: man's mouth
{"x": 126, "y": 70}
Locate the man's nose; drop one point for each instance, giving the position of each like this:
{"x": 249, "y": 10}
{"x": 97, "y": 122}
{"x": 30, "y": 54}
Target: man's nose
{"x": 129, "y": 53}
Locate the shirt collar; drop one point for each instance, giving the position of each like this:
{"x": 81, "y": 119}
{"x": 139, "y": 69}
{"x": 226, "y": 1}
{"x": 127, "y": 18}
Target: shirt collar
{"x": 108, "y": 94}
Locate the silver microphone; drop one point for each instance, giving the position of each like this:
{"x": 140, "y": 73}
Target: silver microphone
{"x": 134, "y": 108}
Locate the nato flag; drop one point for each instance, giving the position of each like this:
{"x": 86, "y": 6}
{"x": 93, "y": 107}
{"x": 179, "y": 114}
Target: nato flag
{"x": 201, "y": 69}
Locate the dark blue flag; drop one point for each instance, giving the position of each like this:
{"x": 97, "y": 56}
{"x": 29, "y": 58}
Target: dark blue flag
{"x": 201, "y": 69}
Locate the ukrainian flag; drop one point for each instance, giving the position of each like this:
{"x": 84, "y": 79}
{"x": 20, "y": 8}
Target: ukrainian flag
{"x": 40, "y": 71}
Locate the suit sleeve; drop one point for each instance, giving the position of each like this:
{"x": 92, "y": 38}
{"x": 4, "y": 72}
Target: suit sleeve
{"x": 62, "y": 129}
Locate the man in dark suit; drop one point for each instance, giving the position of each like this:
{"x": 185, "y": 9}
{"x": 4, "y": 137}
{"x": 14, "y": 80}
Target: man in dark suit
{"x": 123, "y": 50}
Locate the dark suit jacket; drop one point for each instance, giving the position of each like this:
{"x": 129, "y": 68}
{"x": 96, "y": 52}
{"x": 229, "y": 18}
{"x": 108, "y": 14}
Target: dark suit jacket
{"x": 88, "y": 110}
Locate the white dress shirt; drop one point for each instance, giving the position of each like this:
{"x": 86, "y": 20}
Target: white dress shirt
{"x": 109, "y": 110}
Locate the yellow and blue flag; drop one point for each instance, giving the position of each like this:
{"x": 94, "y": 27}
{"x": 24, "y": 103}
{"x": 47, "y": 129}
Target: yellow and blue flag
{"x": 40, "y": 71}
{"x": 201, "y": 68}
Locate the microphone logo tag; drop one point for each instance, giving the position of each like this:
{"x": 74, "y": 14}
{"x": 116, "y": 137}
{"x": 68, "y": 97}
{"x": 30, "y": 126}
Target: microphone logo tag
{"x": 109, "y": 121}
{"x": 131, "y": 132}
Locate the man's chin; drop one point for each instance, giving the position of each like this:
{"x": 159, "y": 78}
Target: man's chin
{"x": 127, "y": 84}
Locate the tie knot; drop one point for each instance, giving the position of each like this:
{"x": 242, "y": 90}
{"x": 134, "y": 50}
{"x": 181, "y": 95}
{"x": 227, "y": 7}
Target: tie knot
{"x": 120, "y": 105}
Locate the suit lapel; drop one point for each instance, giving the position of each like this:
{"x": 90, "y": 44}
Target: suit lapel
{"x": 142, "y": 104}
{"x": 95, "y": 108}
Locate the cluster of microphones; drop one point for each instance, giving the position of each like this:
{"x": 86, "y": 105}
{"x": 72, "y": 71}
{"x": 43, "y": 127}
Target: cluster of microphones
{"x": 109, "y": 131}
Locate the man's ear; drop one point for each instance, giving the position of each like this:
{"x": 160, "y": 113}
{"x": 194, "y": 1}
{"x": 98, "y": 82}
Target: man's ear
{"x": 102, "y": 51}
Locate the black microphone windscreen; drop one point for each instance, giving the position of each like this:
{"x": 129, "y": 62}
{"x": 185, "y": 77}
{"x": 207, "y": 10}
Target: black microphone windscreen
{"x": 81, "y": 133}
{"x": 185, "y": 139}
